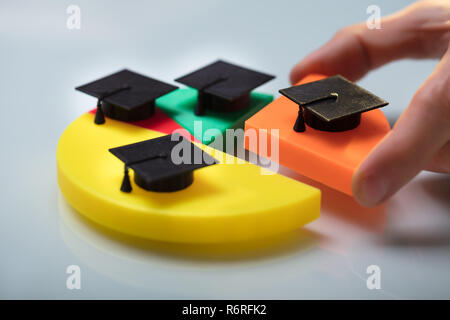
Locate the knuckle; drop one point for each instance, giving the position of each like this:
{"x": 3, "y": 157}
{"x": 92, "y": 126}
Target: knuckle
{"x": 441, "y": 160}
{"x": 346, "y": 31}
{"x": 436, "y": 98}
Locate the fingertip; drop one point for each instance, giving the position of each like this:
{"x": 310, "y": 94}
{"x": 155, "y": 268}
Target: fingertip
{"x": 310, "y": 64}
{"x": 369, "y": 188}
{"x": 296, "y": 74}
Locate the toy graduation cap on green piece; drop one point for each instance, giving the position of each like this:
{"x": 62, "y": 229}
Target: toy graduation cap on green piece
{"x": 125, "y": 95}
{"x": 154, "y": 167}
{"x": 223, "y": 86}
{"x": 331, "y": 104}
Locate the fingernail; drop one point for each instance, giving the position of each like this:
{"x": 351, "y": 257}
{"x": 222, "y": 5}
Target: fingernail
{"x": 372, "y": 190}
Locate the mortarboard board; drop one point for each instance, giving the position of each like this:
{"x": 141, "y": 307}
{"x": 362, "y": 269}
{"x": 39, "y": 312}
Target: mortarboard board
{"x": 331, "y": 104}
{"x": 223, "y": 86}
{"x": 154, "y": 166}
{"x": 125, "y": 95}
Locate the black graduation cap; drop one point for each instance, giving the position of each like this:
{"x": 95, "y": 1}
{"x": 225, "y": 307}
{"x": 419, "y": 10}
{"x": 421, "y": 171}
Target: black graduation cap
{"x": 125, "y": 95}
{"x": 223, "y": 86}
{"x": 331, "y": 104}
{"x": 154, "y": 167}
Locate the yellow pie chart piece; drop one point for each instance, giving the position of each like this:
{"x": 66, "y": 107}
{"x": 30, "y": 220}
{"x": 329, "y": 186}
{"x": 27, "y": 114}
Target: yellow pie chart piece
{"x": 227, "y": 202}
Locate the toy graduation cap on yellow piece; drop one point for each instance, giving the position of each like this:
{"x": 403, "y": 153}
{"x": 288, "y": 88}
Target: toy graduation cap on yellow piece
{"x": 223, "y": 86}
{"x": 154, "y": 166}
{"x": 125, "y": 95}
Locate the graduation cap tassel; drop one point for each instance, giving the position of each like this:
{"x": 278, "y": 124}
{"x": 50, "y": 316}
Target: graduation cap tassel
{"x": 300, "y": 122}
{"x": 99, "y": 116}
{"x": 126, "y": 184}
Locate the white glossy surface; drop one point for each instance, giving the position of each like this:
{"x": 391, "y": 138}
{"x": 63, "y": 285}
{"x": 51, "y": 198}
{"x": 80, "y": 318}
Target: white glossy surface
{"x": 41, "y": 62}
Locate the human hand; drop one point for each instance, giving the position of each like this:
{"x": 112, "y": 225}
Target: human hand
{"x": 420, "y": 138}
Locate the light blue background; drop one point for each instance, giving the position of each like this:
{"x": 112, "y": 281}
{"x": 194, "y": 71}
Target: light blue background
{"x": 41, "y": 62}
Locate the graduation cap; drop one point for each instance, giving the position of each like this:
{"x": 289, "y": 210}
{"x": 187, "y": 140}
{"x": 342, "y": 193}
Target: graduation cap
{"x": 331, "y": 104}
{"x": 156, "y": 168}
{"x": 125, "y": 95}
{"x": 223, "y": 86}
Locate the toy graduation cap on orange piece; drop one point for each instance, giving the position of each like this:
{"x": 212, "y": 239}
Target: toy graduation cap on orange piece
{"x": 223, "y": 86}
{"x": 327, "y": 126}
{"x": 154, "y": 168}
{"x": 125, "y": 95}
{"x": 332, "y": 104}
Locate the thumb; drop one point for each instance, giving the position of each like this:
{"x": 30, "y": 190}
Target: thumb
{"x": 421, "y": 131}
